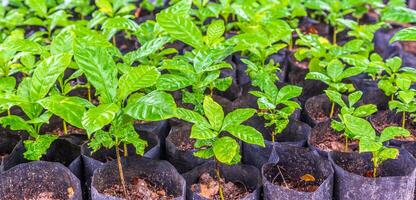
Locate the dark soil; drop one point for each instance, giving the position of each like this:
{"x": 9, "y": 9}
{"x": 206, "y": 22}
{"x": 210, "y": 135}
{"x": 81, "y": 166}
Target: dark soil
{"x": 71, "y": 130}
{"x": 386, "y": 118}
{"x": 208, "y": 187}
{"x": 358, "y": 166}
{"x": 409, "y": 47}
{"x": 32, "y": 193}
{"x": 326, "y": 139}
{"x": 293, "y": 179}
{"x": 139, "y": 189}
{"x": 182, "y": 140}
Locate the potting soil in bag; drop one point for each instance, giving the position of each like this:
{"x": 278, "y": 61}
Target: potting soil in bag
{"x": 39, "y": 180}
{"x": 354, "y": 177}
{"x": 296, "y": 134}
{"x": 297, "y": 173}
{"x": 238, "y": 182}
{"x": 145, "y": 179}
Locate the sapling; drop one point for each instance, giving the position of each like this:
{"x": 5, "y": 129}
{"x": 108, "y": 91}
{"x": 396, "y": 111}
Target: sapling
{"x": 30, "y": 94}
{"x": 200, "y": 68}
{"x": 369, "y": 141}
{"x": 333, "y": 75}
{"x": 122, "y": 100}
{"x": 207, "y": 129}
{"x": 276, "y": 105}
{"x": 349, "y": 108}
{"x": 396, "y": 83}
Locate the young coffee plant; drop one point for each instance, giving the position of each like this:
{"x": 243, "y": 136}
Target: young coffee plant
{"x": 349, "y": 108}
{"x": 333, "y": 75}
{"x": 208, "y": 129}
{"x": 397, "y": 83}
{"x": 30, "y": 94}
{"x": 369, "y": 141}
{"x": 122, "y": 100}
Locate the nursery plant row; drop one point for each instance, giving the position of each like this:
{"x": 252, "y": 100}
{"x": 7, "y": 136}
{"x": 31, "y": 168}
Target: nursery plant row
{"x": 199, "y": 99}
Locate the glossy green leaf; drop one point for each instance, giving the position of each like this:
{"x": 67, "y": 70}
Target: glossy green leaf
{"x": 154, "y": 106}
{"x": 237, "y": 117}
{"x": 172, "y": 82}
{"x": 213, "y": 111}
{"x": 120, "y": 23}
{"x": 392, "y": 132}
{"x": 96, "y": 118}
{"x": 70, "y": 109}
{"x": 225, "y": 149}
{"x": 247, "y": 134}
{"x": 202, "y": 133}
{"x": 39, "y": 6}
{"x": 136, "y": 78}
{"x": 36, "y": 148}
{"x": 101, "y": 139}
{"x": 406, "y": 34}
{"x": 192, "y": 116}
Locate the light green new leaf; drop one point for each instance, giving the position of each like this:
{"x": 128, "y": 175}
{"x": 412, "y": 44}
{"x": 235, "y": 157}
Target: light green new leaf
{"x": 225, "y": 149}
{"x": 336, "y": 97}
{"x": 213, "y": 111}
{"x": 104, "y": 6}
{"x": 17, "y": 123}
{"x": 237, "y": 117}
{"x": 359, "y": 127}
{"x": 215, "y": 30}
{"x": 96, "y": 118}
{"x": 407, "y": 34}
{"x": 146, "y": 49}
{"x": 192, "y": 116}
{"x": 133, "y": 138}
{"x": 247, "y": 134}
{"x": 202, "y": 133}
{"x": 136, "y": 78}
{"x": 100, "y": 69}
{"x": 205, "y": 153}
{"x": 39, "y": 6}
{"x": 154, "y": 106}
{"x": 392, "y": 132}
{"x": 46, "y": 73}
{"x": 369, "y": 145}
{"x": 181, "y": 28}
{"x": 36, "y": 148}
{"x": 101, "y": 139}
{"x": 70, "y": 109}
{"x": 120, "y": 23}
{"x": 172, "y": 82}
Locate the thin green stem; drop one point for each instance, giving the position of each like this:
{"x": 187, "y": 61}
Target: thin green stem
{"x": 334, "y": 37}
{"x": 8, "y": 112}
{"x": 126, "y": 153}
{"x": 346, "y": 143}
{"x": 217, "y": 170}
{"x": 403, "y": 119}
{"x": 331, "y": 114}
{"x": 64, "y": 126}
{"x": 89, "y": 92}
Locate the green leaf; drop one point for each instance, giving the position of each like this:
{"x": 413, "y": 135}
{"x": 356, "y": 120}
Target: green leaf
{"x": 96, "y": 118}
{"x": 104, "y": 6}
{"x": 215, "y": 30}
{"x": 146, "y": 49}
{"x": 317, "y": 76}
{"x": 172, "y": 82}
{"x": 39, "y": 6}
{"x": 17, "y": 123}
{"x": 288, "y": 92}
{"x": 204, "y": 59}
{"x": 247, "y": 134}
{"x": 101, "y": 139}
{"x": 387, "y": 153}
{"x": 225, "y": 149}
{"x": 365, "y": 110}
{"x": 336, "y": 97}
{"x": 351, "y": 71}
{"x": 100, "y": 69}
{"x": 213, "y": 111}
{"x": 46, "y": 74}
{"x": 335, "y": 69}
{"x": 222, "y": 84}
{"x": 354, "y": 97}
{"x": 120, "y": 23}
{"x": 36, "y": 148}
{"x": 237, "y": 117}
{"x": 202, "y": 133}
{"x": 369, "y": 145}
{"x": 192, "y": 116}
{"x": 392, "y": 132}
{"x": 137, "y": 78}
{"x": 205, "y": 153}
{"x": 406, "y": 34}
{"x": 181, "y": 28}
{"x": 387, "y": 87}
{"x": 154, "y": 106}
{"x": 70, "y": 109}
{"x": 133, "y": 138}
{"x": 359, "y": 127}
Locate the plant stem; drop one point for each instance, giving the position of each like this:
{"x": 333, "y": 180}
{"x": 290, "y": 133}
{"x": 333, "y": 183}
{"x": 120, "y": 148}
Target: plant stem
{"x": 375, "y": 172}
{"x": 346, "y": 143}
{"x": 334, "y": 37}
{"x": 331, "y": 114}
{"x": 89, "y": 92}
{"x": 217, "y": 170}
{"x": 403, "y": 119}
{"x": 120, "y": 172}
{"x": 114, "y": 41}
{"x": 125, "y": 150}
{"x": 64, "y": 126}
{"x": 8, "y": 112}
